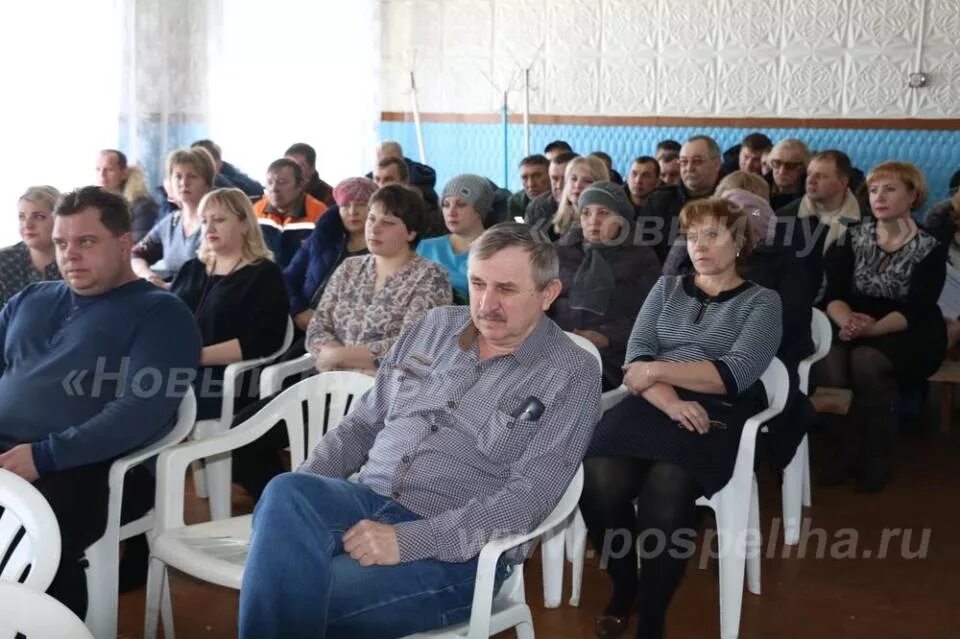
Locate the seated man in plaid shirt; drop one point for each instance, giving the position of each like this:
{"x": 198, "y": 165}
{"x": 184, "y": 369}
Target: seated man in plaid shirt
{"x": 477, "y": 423}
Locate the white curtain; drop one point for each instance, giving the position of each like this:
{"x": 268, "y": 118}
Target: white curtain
{"x": 150, "y": 76}
{"x": 165, "y": 95}
{"x": 61, "y": 79}
{"x": 296, "y": 71}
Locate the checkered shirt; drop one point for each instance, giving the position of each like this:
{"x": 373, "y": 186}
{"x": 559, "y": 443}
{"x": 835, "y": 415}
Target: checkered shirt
{"x": 435, "y": 433}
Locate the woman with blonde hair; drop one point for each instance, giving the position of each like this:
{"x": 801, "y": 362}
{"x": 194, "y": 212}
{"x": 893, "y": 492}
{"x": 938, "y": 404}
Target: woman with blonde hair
{"x": 33, "y": 259}
{"x": 175, "y": 238}
{"x": 883, "y": 283}
{"x": 143, "y": 209}
{"x": 580, "y": 173}
{"x": 235, "y": 291}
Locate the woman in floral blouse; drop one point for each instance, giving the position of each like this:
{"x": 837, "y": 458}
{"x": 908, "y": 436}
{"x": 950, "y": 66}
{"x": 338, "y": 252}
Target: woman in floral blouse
{"x": 33, "y": 259}
{"x": 371, "y": 299}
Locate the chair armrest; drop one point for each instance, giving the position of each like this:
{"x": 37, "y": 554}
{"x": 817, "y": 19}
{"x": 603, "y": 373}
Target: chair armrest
{"x": 752, "y": 425}
{"x": 748, "y": 438}
{"x": 486, "y": 578}
{"x": 493, "y": 549}
{"x": 172, "y": 463}
{"x": 232, "y": 372}
{"x": 273, "y": 376}
{"x": 803, "y": 373}
{"x": 613, "y": 397}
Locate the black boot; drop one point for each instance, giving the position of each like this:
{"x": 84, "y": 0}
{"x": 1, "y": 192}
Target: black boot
{"x": 842, "y": 439}
{"x": 880, "y": 432}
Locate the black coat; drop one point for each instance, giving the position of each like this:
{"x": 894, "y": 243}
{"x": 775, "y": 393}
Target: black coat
{"x": 659, "y": 221}
{"x": 636, "y": 269}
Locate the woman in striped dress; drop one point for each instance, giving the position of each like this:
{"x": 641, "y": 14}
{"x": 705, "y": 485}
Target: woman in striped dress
{"x": 694, "y": 360}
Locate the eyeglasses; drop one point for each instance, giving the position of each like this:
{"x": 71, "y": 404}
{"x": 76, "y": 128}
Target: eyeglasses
{"x": 783, "y": 164}
{"x": 695, "y": 161}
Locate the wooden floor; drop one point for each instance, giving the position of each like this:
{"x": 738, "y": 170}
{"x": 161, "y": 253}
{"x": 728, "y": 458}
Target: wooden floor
{"x": 841, "y": 591}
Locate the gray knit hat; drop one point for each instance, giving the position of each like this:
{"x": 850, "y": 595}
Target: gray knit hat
{"x": 475, "y": 190}
{"x": 610, "y": 195}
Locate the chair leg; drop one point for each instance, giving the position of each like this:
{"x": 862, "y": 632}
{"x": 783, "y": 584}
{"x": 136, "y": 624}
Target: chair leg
{"x": 156, "y": 578}
{"x": 731, "y": 521}
{"x": 577, "y": 534}
{"x": 103, "y": 579}
{"x": 946, "y": 407}
{"x": 525, "y": 630}
{"x": 166, "y": 607}
{"x": 807, "y": 495}
{"x": 199, "y": 479}
{"x": 219, "y": 483}
{"x": 551, "y": 555}
{"x": 791, "y": 491}
{"x": 754, "y": 542}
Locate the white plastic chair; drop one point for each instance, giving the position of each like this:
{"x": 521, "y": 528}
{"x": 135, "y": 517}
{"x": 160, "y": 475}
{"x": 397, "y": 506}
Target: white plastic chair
{"x": 212, "y": 476}
{"x": 570, "y": 539}
{"x": 36, "y": 615}
{"x": 491, "y": 615}
{"x": 103, "y": 556}
{"x": 273, "y": 376}
{"x": 38, "y": 549}
{"x": 737, "y": 510}
{"x": 795, "y": 490}
{"x": 216, "y": 551}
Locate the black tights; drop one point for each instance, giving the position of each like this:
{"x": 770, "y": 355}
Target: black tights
{"x": 666, "y": 497}
{"x": 863, "y": 442}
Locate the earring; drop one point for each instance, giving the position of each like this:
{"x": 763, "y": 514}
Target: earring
{"x": 738, "y": 252}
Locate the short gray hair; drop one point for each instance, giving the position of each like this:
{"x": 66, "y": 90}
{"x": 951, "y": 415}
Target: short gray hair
{"x": 791, "y": 144}
{"x": 713, "y": 149}
{"x": 543, "y": 255}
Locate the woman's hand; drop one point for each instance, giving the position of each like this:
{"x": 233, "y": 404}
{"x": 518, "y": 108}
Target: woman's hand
{"x": 690, "y": 415}
{"x": 156, "y": 280}
{"x": 639, "y": 376}
{"x": 597, "y": 339}
{"x": 859, "y": 325}
{"x": 328, "y": 359}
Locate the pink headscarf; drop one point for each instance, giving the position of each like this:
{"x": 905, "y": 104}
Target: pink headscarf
{"x": 761, "y": 216}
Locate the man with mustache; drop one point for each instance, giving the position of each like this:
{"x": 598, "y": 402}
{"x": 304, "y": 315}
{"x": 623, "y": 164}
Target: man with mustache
{"x": 477, "y": 423}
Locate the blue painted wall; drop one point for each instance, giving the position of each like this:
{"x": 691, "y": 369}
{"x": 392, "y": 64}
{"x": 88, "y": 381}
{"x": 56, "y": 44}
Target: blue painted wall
{"x": 454, "y": 148}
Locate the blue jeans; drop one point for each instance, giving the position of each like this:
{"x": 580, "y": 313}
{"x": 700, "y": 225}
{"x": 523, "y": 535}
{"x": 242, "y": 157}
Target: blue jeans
{"x": 298, "y": 582}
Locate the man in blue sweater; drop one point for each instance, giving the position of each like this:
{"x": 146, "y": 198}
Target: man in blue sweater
{"x": 90, "y": 368}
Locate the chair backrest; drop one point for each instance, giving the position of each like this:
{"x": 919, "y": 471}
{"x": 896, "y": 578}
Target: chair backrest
{"x": 822, "y": 333}
{"x": 29, "y": 534}
{"x": 776, "y": 382}
{"x": 586, "y": 345}
{"x": 326, "y": 399}
{"x": 36, "y": 615}
{"x": 287, "y": 339}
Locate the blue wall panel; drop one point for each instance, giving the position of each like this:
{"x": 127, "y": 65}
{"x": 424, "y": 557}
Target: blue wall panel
{"x": 454, "y": 148}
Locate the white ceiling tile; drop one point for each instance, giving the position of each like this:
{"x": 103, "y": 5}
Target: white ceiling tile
{"x": 747, "y": 85}
{"x": 811, "y": 85}
{"x": 628, "y": 86}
